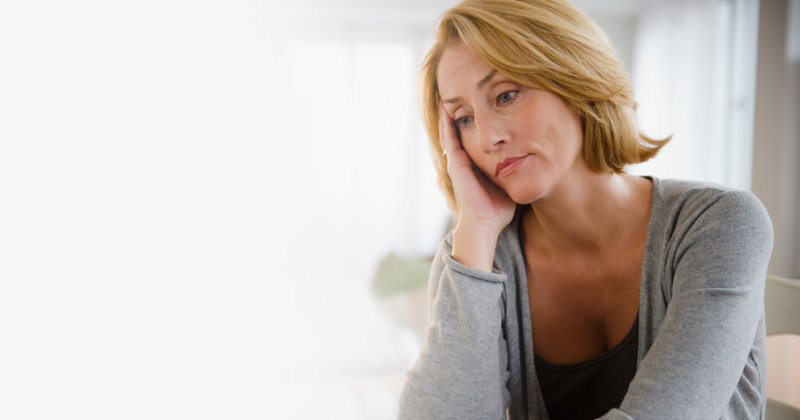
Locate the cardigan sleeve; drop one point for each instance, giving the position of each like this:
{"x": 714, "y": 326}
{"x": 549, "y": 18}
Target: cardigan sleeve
{"x": 462, "y": 370}
{"x": 714, "y": 310}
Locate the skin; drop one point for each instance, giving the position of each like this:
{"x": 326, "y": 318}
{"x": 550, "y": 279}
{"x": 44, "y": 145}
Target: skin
{"x": 584, "y": 232}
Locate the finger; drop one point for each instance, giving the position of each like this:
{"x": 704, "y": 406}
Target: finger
{"x": 442, "y": 134}
{"x": 447, "y": 134}
{"x": 442, "y": 117}
{"x": 486, "y": 181}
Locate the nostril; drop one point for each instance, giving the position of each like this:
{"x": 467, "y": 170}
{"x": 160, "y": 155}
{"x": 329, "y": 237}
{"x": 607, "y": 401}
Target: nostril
{"x": 497, "y": 144}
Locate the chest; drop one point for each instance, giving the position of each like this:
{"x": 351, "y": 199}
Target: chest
{"x": 580, "y": 308}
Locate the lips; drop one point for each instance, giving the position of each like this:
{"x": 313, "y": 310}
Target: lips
{"x": 508, "y": 166}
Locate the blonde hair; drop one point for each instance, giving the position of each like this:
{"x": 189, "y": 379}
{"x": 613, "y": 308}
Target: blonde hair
{"x": 550, "y": 45}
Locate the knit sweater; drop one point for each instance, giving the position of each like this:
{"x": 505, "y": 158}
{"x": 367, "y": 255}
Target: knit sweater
{"x": 701, "y": 320}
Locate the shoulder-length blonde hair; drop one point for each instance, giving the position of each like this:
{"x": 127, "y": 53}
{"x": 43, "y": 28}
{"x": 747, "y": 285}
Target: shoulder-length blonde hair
{"x": 550, "y": 45}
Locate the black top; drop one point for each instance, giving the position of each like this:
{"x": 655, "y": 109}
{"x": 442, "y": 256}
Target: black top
{"x": 589, "y": 389}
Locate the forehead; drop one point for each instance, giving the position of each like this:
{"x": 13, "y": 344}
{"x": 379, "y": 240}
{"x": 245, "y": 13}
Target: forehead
{"x": 460, "y": 68}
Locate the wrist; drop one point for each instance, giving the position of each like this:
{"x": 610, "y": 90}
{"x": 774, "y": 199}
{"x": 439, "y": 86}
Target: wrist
{"x": 474, "y": 246}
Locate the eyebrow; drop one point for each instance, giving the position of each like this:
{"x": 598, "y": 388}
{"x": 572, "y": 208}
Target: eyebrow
{"x": 481, "y": 83}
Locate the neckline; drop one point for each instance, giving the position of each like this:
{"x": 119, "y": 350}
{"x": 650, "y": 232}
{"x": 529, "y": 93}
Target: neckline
{"x": 519, "y": 236}
{"x": 608, "y": 354}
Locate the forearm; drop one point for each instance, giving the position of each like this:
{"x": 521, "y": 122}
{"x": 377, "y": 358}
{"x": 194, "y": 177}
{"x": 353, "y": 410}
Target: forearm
{"x": 462, "y": 370}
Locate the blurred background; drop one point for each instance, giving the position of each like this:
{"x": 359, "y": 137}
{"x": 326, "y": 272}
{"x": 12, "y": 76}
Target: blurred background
{"x": 223, "y": 209}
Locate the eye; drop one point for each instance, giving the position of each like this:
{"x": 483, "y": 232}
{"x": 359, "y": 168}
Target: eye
{"x": 463, "y": 122}
{"x": 507, "y": 97}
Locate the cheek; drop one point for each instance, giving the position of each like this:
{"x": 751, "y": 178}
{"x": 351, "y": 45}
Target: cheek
{"x": 570, "y": 137}
{"x": 560, "y": 135}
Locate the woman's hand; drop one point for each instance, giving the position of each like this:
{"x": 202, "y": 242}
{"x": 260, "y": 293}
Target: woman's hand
{"x": 483, "y": 209}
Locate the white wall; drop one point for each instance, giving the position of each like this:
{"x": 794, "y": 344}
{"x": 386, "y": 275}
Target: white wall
{"x": 776, "y": 173}
{"x": 775, "y": 151}
{"x": 621, "y": 32}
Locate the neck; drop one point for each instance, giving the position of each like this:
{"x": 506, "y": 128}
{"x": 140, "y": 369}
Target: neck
{"x": 590, "y": 213}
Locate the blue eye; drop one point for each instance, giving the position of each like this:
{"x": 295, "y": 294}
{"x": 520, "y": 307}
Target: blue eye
{"x": 463, "y": 121}
{"x": 507, "y": 97}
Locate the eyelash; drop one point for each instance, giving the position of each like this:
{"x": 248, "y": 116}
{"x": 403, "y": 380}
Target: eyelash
{"x": 460, "y": 121}
{"x": 513, "y": 94}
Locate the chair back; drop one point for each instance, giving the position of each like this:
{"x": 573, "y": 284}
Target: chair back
{"x": 782, "y": 306}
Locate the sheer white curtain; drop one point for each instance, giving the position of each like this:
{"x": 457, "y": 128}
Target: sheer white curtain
{"x": 192, "y": 205}
{"x": 357, "y": 181}
{"x": 694, "y": 72}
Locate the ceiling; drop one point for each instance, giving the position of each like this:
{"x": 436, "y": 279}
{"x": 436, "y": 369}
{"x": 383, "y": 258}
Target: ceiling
{"x": 429, "y": 10}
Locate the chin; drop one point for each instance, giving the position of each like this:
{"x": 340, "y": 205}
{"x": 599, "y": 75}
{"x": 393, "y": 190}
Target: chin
{"x": 524, "y": 196}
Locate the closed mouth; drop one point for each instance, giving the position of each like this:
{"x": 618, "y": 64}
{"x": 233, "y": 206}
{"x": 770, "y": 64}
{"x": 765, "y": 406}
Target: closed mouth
{"x": 508, "y": 166}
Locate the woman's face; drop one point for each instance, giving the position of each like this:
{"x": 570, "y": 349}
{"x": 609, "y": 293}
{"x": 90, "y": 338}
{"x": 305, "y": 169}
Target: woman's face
{"x": 525, "y": 140}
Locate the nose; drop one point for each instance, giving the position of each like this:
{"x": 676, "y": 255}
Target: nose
{"x": 492, "y": 132}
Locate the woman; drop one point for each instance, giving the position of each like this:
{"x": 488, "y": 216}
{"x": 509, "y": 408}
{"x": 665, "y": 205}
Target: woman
{"x": 569, "y": 288}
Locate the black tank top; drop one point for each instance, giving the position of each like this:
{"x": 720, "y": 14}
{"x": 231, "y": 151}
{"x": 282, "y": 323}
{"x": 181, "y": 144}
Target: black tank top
{"x": 588, "y": 389}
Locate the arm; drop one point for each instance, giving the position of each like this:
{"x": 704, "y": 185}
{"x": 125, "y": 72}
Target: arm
{"x": 699, "y": 355}
{"x": 462, "y": 370}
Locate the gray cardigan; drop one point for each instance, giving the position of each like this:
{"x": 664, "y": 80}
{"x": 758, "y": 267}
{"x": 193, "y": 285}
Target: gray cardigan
{"x": 701, "y": 320}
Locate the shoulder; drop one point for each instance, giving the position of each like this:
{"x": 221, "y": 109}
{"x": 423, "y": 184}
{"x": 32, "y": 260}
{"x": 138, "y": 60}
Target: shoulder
{"x": 710, "y": 229}
{"x": 679, "y": 193}
{"x": 690, "y": 205}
